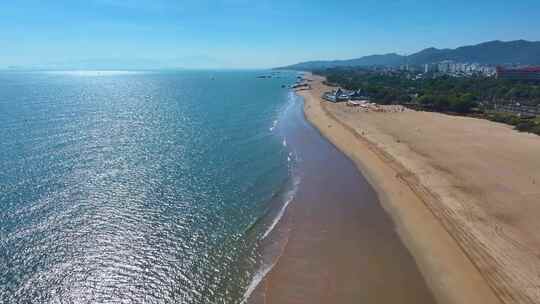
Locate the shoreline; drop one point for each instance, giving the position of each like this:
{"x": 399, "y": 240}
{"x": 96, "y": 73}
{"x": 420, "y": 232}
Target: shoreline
{"x": 448, "y": 271}
{"x": 336, "y": 243}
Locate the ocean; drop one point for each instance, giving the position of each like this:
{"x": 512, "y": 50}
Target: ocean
{"x": 140, "y": 187}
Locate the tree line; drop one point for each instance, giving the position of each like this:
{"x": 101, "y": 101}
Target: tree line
{"x": 445, "y": 93}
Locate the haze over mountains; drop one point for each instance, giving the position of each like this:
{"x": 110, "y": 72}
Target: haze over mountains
{"x": 492, "y": 52}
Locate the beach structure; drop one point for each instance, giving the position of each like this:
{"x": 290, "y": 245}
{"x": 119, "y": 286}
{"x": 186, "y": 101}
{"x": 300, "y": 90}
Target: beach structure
{"x": 338, "y": 95}
{"x": 358, "y": 95}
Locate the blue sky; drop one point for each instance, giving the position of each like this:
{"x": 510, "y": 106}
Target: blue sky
{"x": 246, "y": 34}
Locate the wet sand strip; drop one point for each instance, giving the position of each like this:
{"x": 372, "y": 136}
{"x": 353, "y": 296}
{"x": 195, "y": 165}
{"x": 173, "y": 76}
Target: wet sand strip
{"x": 341, "y": 246}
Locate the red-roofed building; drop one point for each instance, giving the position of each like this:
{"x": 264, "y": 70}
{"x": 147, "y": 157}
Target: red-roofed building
{"x": 527, "y": 74}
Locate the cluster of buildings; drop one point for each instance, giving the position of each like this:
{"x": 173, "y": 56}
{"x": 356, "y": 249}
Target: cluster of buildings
{"x": 452, "y": 68}
{"x": 459, "y": 69}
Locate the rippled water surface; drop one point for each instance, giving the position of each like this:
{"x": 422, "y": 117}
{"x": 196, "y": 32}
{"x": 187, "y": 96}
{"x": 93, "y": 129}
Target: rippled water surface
{"x": 139, "y": 187}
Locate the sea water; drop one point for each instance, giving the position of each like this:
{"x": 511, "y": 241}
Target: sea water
{"x": 140, "y": 186}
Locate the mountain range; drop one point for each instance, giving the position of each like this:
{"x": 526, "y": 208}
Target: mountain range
{"x": 492, "y": 53}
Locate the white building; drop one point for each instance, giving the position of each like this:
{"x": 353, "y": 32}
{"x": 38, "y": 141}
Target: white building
{"x": 444, "y": 66}
{"x": 430, "y": 67}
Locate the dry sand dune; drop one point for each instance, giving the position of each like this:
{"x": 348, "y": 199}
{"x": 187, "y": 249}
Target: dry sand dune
{"x": 480, "y": 179}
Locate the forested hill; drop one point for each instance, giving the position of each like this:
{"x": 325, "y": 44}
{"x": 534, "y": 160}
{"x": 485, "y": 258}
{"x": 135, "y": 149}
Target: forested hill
{"x": 493, "y": 52}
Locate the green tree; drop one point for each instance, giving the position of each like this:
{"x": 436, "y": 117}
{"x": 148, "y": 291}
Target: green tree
{"x": 442, "y": 103}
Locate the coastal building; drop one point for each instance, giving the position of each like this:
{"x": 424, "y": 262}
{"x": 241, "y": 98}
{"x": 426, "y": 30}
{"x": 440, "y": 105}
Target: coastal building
{"x": 358, "y": 95}
{"x": 430, "y": 68}
{"x": 444, "y": 66}
{"x": 488, "y": 71}
{"x": 526, "y": 74}
{"x": 338, "y": 95}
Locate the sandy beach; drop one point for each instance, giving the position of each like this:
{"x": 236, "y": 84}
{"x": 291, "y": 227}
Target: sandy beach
{"x": 335, "y": 243}
{"x": 463, "y": 193}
